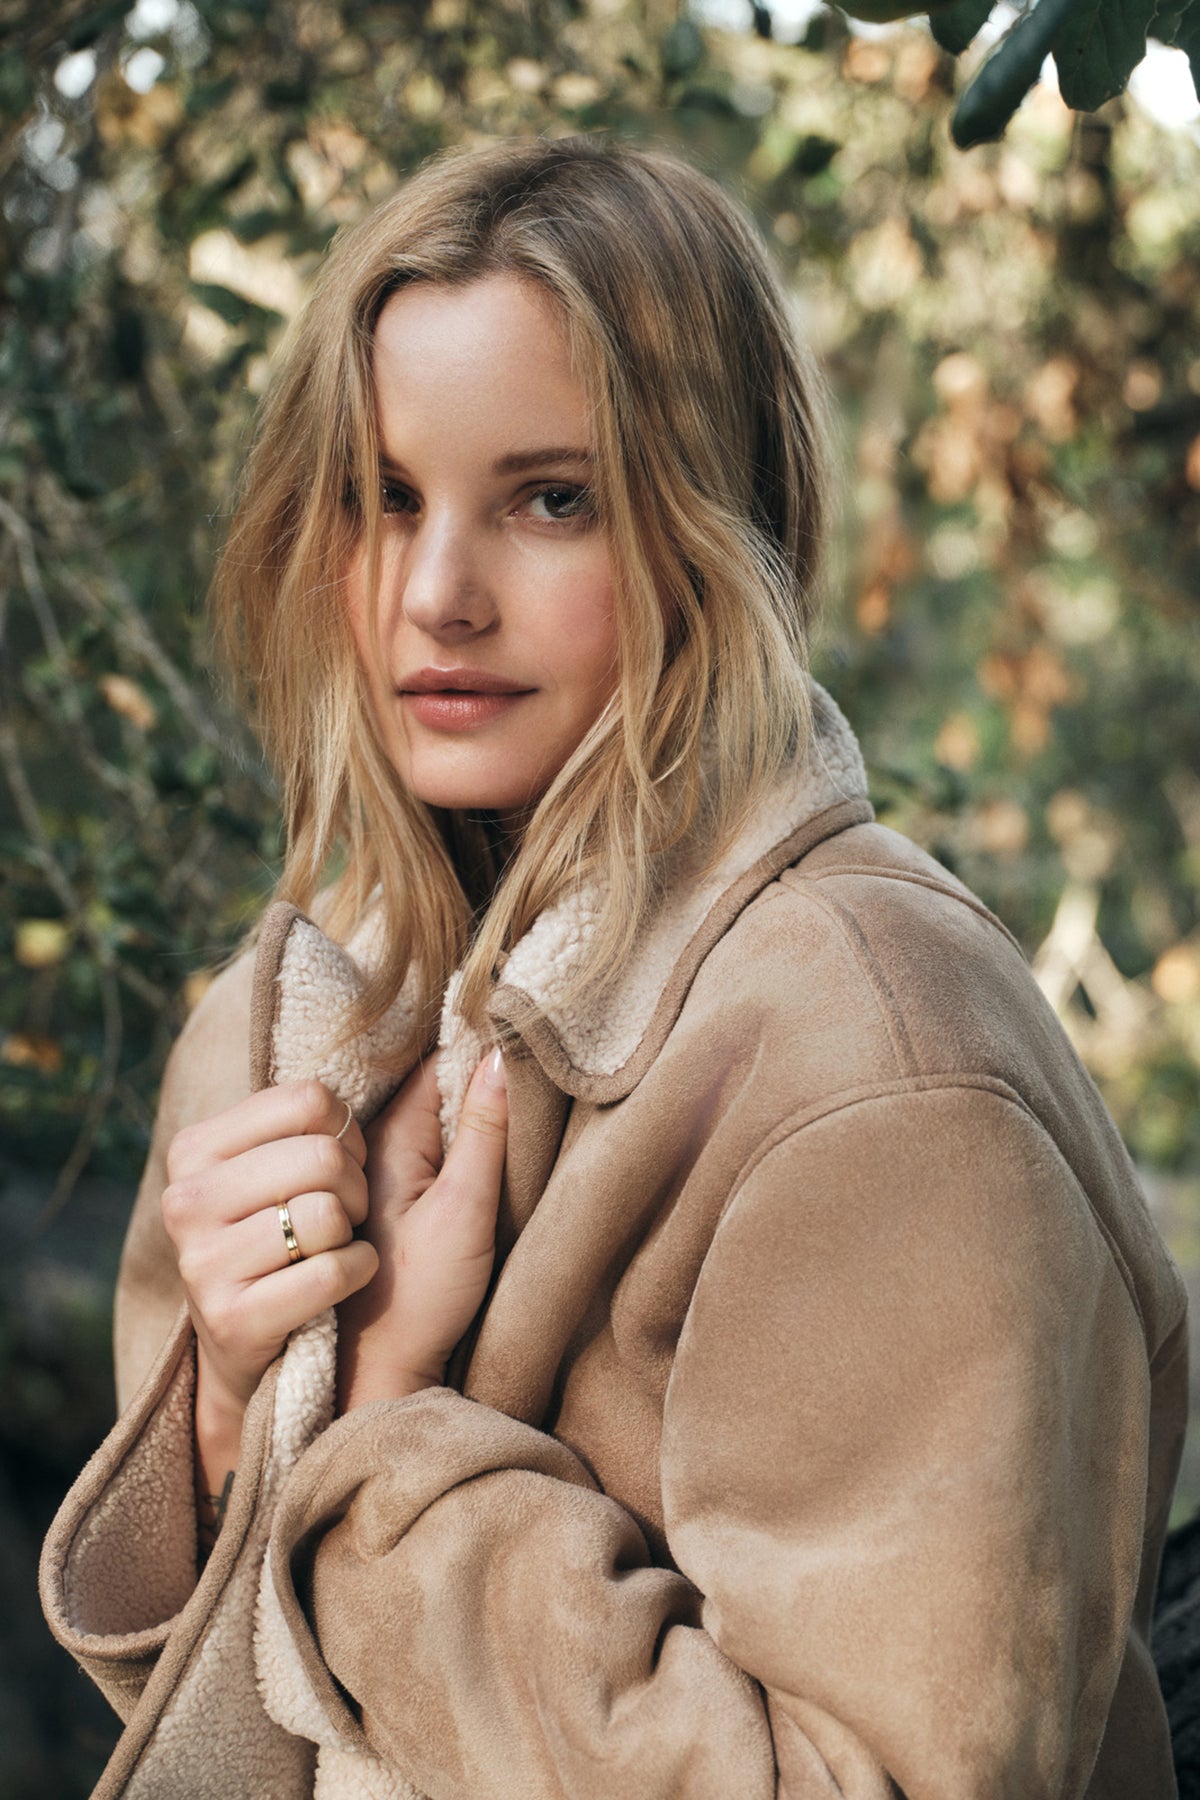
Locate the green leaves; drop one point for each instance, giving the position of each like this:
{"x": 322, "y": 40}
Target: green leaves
{"x": 131, "y": 366}
{"x": 1011, "y": 70}
{"x": 955, "y": 26}
{"x": 1098, "y": 47}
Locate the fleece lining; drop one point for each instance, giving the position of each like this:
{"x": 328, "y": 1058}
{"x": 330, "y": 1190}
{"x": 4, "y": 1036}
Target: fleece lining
{"x": 315, "y": 982}
{"x": 305, "y": 988}
{"x": 808, "y": 1439}
{"x": 599, "y": 1036}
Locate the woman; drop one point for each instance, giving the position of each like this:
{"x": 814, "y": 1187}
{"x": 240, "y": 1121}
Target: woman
{"x": 791, "y": 1403}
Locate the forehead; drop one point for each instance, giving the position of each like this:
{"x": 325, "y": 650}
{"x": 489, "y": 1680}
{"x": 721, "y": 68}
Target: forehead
{"x": 478, "y": 365}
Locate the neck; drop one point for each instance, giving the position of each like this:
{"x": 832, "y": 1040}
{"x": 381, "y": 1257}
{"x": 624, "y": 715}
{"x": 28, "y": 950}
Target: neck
{"x": 481, "y": 846}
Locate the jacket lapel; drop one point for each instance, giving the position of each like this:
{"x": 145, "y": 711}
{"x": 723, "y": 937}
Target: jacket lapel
{"x": 306, "y": 986}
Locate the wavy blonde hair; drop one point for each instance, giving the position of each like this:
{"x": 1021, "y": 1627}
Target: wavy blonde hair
{"x": 712, "y": 482}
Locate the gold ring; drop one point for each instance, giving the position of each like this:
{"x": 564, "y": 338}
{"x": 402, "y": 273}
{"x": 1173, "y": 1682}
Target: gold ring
{"x": 295, "y": 1253}
{"x": 346, "y": 1121}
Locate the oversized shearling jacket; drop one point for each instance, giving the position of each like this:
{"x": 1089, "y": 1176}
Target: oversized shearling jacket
{"x": 816, "y": 1436}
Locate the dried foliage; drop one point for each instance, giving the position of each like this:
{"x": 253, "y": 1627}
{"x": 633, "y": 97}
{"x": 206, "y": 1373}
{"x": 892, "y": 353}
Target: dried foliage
{"x": 1012, "y": 334}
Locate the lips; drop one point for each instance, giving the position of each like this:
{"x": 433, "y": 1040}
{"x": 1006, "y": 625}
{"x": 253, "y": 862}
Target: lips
{"x": 459, "y": 699}
{"x": 459, "y": 681}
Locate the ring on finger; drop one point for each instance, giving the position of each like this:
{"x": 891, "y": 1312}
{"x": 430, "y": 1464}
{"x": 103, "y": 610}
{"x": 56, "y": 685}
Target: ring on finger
{"x": 295, "y": 1253}
{"x": 346, "y": 1121}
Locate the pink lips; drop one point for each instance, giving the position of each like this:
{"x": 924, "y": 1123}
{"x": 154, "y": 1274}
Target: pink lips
{"x": 458, "y": 699}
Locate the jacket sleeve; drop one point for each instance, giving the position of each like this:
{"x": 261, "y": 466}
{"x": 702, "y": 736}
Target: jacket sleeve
{"x": 208, "y": 1069}
{"x": 119, "y": 1562}
{"x": 904, "y": 1467}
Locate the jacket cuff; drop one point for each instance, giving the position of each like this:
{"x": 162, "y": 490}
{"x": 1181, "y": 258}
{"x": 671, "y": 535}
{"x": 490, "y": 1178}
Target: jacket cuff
{"x": 416, "y": 1449}
{"x": 119, "y": 1562}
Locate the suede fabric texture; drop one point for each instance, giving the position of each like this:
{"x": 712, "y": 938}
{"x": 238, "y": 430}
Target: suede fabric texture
{"x": 816, "y": 1436}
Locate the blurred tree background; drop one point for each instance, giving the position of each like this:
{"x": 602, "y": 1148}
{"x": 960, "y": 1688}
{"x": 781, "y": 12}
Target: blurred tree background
{"x": 1013, "y": 334}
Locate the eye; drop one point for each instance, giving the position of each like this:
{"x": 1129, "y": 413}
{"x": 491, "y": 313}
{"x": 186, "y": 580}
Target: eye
{"x": 563, "y": 501}
{"x": 393, "y": 498}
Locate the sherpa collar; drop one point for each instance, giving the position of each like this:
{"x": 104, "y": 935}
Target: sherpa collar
{"x": 306, "y": 985}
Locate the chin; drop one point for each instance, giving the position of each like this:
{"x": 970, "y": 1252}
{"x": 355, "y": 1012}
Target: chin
{"x": 464, "y": 795}
{"x": 473, "y": 801}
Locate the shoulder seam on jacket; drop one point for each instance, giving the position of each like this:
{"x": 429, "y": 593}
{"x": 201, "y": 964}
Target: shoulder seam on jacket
{"x": 885, "y": 1000}
{"x": 935, "y": 1084}
{"x": 915, "y": 879}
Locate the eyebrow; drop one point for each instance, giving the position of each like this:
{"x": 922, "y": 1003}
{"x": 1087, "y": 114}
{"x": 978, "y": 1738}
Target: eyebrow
{"x": 519, "y": 460}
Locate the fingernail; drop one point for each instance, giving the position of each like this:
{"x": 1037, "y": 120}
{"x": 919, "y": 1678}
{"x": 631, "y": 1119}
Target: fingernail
{"x": 493, "y": 1070}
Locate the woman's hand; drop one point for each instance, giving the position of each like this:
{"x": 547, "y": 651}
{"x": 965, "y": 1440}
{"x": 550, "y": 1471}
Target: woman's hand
{"x": 433, "y": 1224}
{"x": 227, "y": 1178}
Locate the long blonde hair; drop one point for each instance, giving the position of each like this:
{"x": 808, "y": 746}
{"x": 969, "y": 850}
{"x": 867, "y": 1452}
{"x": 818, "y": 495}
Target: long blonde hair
{"x": 713, "y": 482}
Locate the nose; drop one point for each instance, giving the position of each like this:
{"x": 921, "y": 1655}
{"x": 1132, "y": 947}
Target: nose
{"x": 445, "y": 591}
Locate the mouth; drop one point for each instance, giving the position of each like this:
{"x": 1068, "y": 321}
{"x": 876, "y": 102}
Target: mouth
{"x": 459, "y": 699}
{"x": 459, "y": 681}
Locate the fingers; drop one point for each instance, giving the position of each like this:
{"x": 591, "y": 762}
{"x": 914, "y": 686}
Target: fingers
{"x": 319, "y": 1222}
{"x": 485, "y": 1109}
{"x": 244, "y": 1327}
{"x": 265, "y": 1176}
{"x": 436, "y": 1234}
{"x": 468, "y": 1188}
{"x": 293, "y": 1145}
{"x": 292, "y": 1296}
{"x": 298, "y": 1109}
{"x": 237, "y": 1253}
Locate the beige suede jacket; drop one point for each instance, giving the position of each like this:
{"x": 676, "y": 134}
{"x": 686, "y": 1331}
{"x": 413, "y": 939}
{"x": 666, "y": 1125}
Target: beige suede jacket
{"x": 816, "y": 1437}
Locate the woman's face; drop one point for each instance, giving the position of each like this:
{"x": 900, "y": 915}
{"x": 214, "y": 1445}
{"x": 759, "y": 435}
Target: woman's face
{"x": 497, "y": 644}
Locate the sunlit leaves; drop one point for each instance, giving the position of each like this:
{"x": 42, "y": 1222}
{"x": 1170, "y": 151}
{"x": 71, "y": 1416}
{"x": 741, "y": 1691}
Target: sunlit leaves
{"x": 1010, "y": 336}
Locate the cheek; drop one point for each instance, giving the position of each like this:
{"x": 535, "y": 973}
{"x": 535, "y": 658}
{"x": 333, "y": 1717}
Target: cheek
{"x": 587, "y": 638}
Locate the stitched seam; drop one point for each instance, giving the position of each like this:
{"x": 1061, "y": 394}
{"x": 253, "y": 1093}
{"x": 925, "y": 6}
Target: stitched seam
{"x": 527, "y": 1017}
{"x": 785, "y": 1131}
{"x": 873, "y": 873}
{"x": 889, "y": 1012}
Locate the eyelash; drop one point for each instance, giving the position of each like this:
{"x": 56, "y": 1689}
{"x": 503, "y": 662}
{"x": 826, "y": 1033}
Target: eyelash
{"x": 579, "y": 499}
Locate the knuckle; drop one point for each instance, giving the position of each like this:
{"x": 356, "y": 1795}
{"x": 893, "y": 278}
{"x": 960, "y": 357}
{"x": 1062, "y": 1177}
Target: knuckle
{"x": 328, "y": 1284}
{"x": 356, "y": 1197}
{"x": 327, "y": 1161}
{"x": 311, "y": 1100}
{"x": 332, "y": 1225}
{"x": 485, "y": 1123}
{"x": 183, "y": 1152}
{"x": 178, "y": 1204}
{"x": 222, "y": 1316}
{"x": 192, "y": 1268}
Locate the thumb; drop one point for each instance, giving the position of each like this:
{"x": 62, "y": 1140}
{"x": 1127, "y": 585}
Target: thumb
{"x": 475, "y": 1160}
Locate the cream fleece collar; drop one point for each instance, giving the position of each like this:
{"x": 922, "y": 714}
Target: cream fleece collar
{"x": 306, "y": 985}
{"x": 305, "y": 988}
